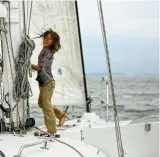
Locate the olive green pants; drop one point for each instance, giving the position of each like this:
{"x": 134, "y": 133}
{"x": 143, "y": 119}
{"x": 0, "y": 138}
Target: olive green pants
{"x": 49, "y": 111}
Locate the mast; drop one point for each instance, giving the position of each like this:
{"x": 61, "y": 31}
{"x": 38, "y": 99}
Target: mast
{"x": 116, "y": 119}
{"x": 83, "y": 67}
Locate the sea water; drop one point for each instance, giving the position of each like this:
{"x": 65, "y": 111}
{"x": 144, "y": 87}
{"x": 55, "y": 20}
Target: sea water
{"x": 137, "y": 99}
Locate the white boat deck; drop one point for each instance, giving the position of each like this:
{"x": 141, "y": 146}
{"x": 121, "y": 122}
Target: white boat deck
{"x": 10, "y": 145}
{"x": 88, "y": 120}
{"x": 92, "y": 138}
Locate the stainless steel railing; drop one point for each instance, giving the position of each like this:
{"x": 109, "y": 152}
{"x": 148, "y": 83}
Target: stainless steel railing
{"x": 103, "y": 101}
{"x": 33, "y": 144}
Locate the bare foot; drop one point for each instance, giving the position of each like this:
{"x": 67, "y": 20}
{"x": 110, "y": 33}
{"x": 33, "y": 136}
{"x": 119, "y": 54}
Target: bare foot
{"x": 61, "y": 121}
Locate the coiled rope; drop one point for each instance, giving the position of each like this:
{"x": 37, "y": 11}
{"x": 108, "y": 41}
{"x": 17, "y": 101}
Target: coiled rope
{"x": 21, "y": 85}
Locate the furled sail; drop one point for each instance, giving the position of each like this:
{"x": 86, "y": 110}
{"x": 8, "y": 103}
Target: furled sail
{"x": 9, "y": 49}
{"x": 67, "y": 65}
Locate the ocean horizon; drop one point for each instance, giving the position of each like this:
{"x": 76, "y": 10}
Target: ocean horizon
{"x": 122, "y": 74}
{"x": 137, "y": 99}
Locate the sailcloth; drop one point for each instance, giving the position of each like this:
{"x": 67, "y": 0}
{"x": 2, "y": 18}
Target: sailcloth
{"x": 67, "y": 64}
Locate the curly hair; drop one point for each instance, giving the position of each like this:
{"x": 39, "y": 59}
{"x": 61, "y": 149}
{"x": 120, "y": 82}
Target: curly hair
{"x": 55, "y": 37}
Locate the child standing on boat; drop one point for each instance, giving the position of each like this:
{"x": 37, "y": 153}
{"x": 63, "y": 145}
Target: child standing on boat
{"x": 51, "y": 45}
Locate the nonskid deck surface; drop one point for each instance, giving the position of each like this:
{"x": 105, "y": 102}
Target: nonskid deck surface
{"x": 10, "y": 145}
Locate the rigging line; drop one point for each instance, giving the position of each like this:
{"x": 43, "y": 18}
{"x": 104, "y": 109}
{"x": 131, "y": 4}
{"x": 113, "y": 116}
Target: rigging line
{"x": 10, "y": 32}
{"x": 18, "y": 115}
{"x": 26, "y": 33}
{"x": 1, "y": 46}
{"x": 120, "y": 135}
{"x": 28, "y": 107}
{"x": 117, "y": 126}
{"x": 26, "y": 59}
{"x": 16, "y": 105}
{"x": 23, "y": 118}
{"x": 2, "y": 50}
{"x": 88, "y": 109}
{"x": 11, "y": 116}
{"x": 24, "y": 19}
{"x": 117, "y": 136}
{"x": 67, "y": 144}
{"x": 117, "y": 131}
{"x": 8, "y": 50}
{"x": 30, "y": 16}
{"x": 103, "y": 37}
{"x": 27, "y": 7}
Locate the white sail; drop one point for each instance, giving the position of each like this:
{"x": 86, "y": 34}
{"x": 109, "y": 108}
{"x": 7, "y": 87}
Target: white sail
{"x": 61, "y": 17}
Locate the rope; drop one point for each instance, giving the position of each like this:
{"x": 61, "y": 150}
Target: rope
{"x": 1, "y": 74}
{"x": 10, "y": 34}
{"x": 21, "y": 85}
{"x": 6, "y": 38}
{"x": 117, "y": 126}
{"x": 24, "y": 18}
{"x": 8, "y": 49}
{"x": 69, "y": 146}
{"x": 5, "y": 33}
{"x": 30, "y": 73}
{"x": 2, "y": 22}
{"x": 1, "y": 90}
{"x": 30, "y": 17}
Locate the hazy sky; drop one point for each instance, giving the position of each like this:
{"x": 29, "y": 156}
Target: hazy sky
{"x": 132, "y": 33}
